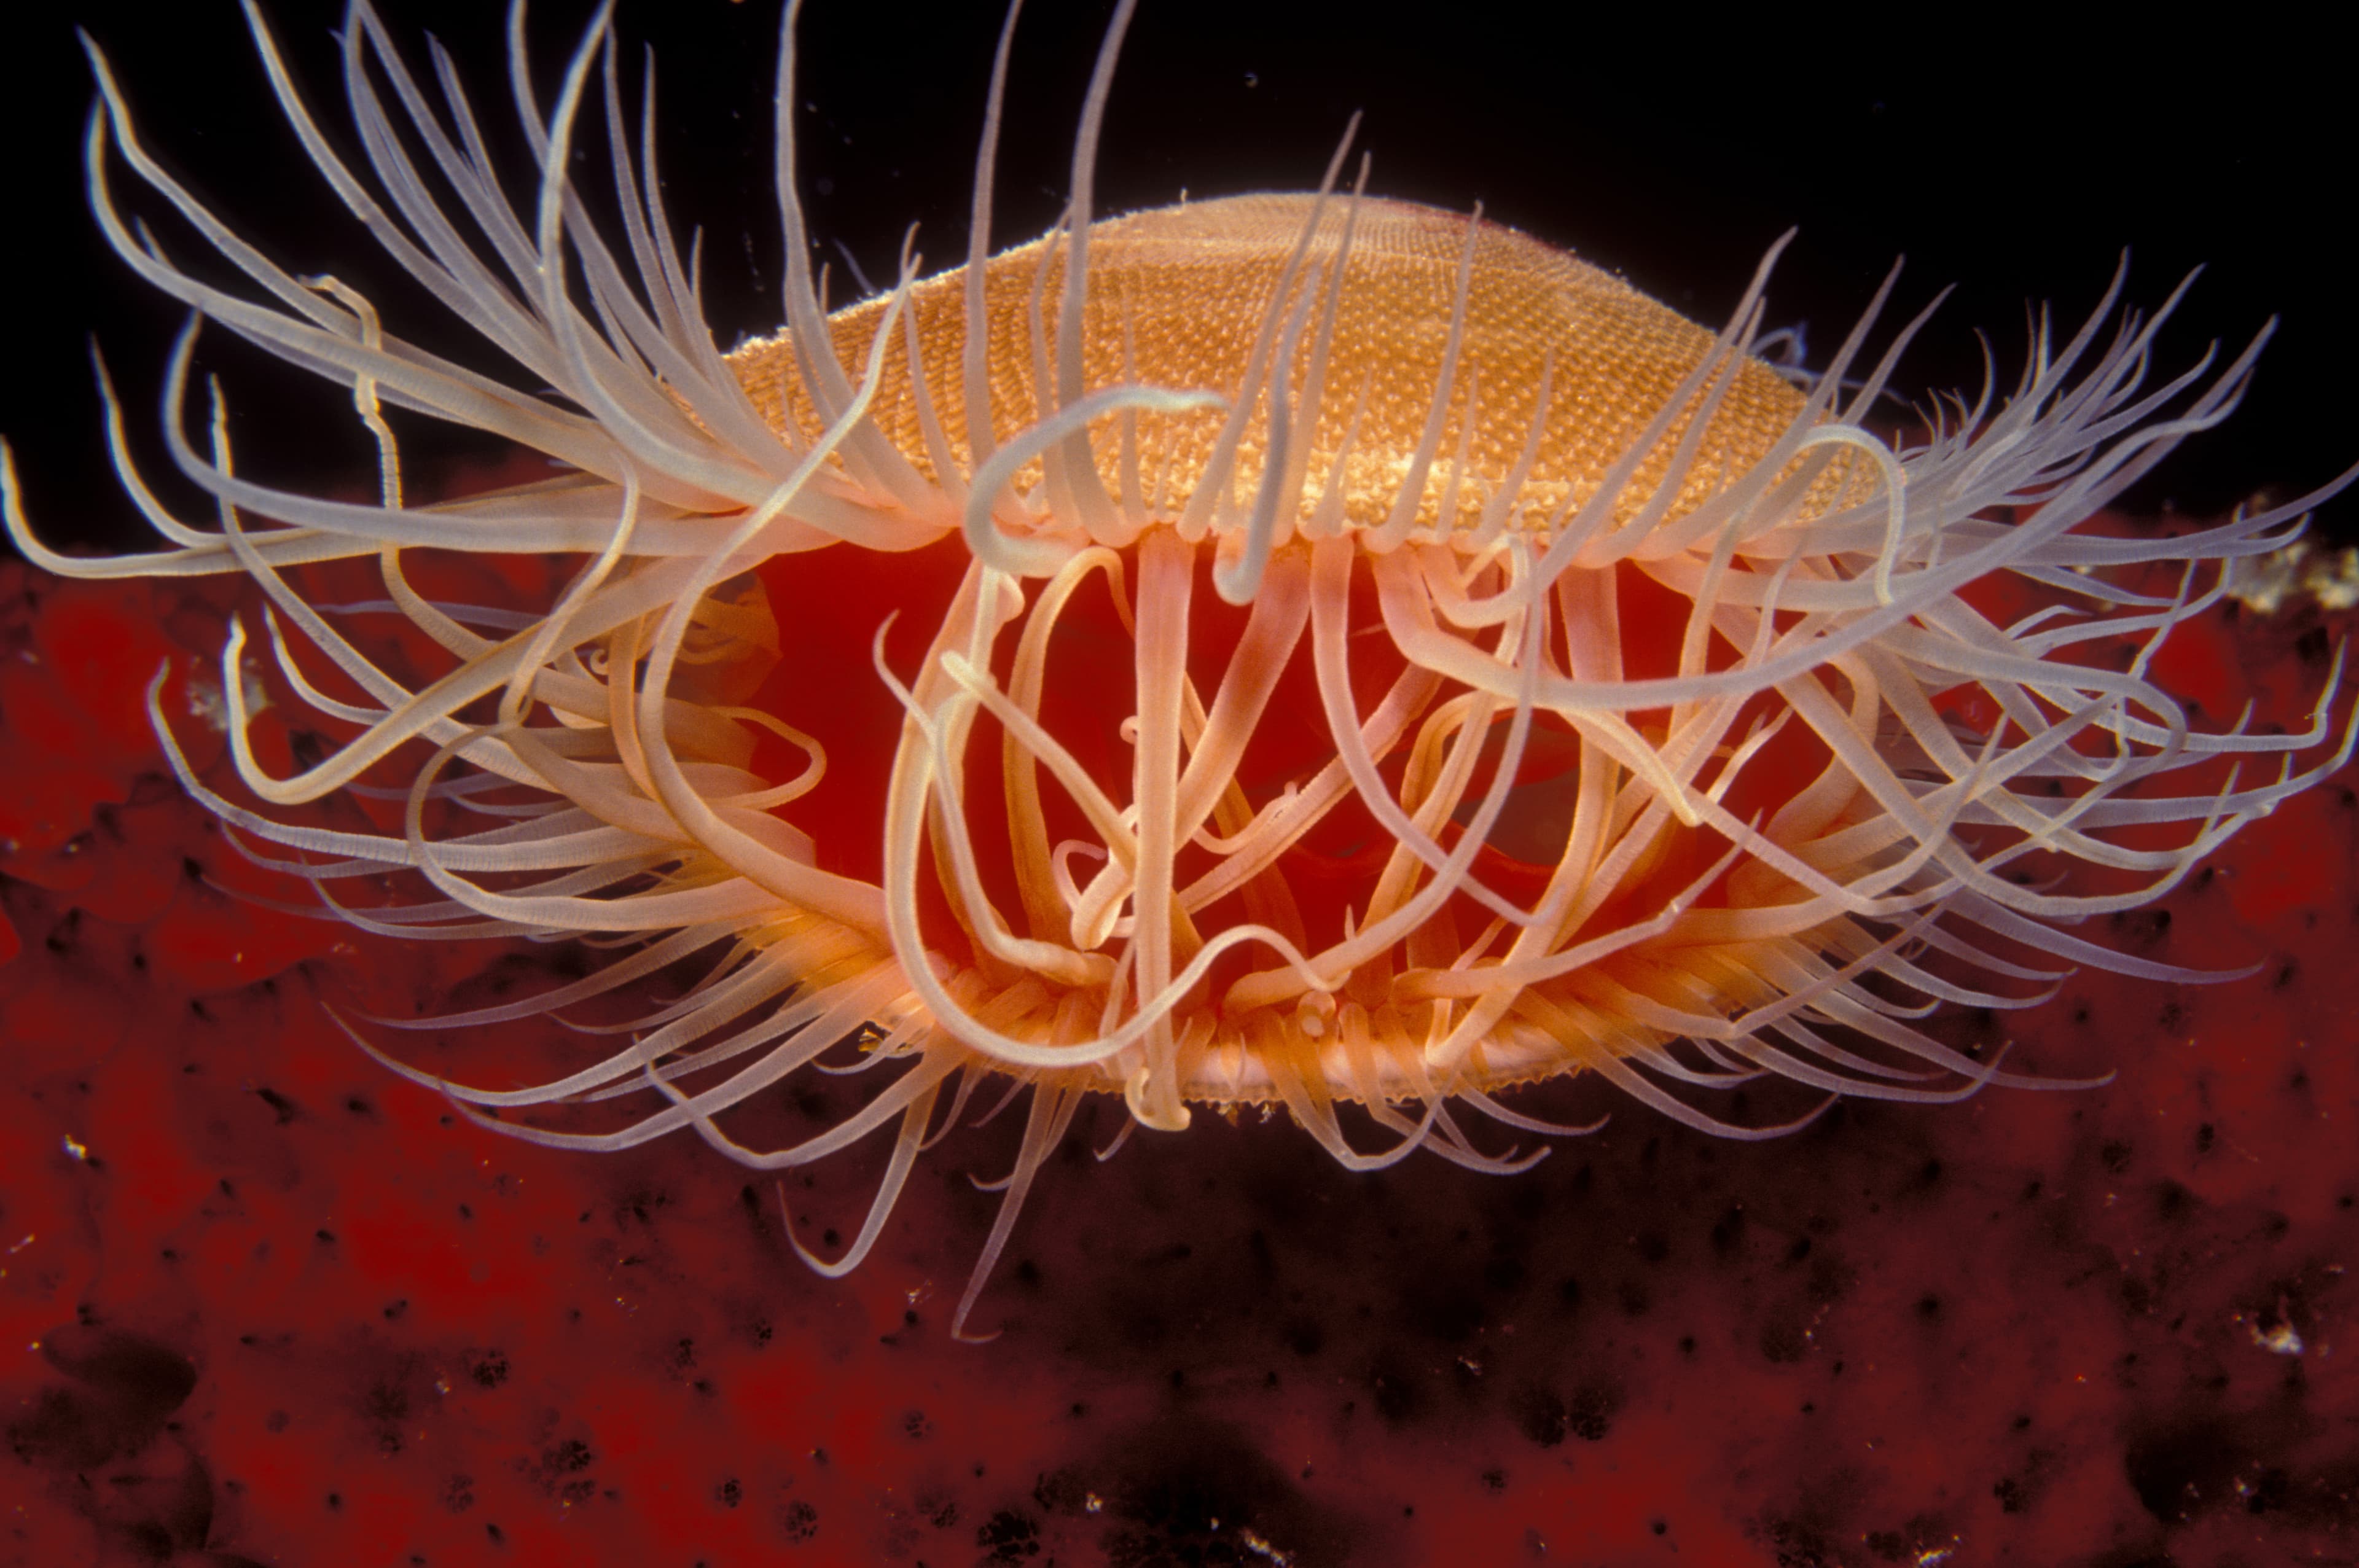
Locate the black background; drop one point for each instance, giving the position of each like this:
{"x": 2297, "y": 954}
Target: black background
{"x": 2006, "y": 154}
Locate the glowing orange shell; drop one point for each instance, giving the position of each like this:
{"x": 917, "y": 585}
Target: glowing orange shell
{"x": 1177, "y": 294}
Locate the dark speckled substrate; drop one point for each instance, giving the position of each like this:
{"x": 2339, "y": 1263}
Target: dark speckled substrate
{"x": 260, "y": 1302}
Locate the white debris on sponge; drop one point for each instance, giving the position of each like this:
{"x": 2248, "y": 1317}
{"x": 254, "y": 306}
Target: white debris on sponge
{"x": 2268, "y": 582}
